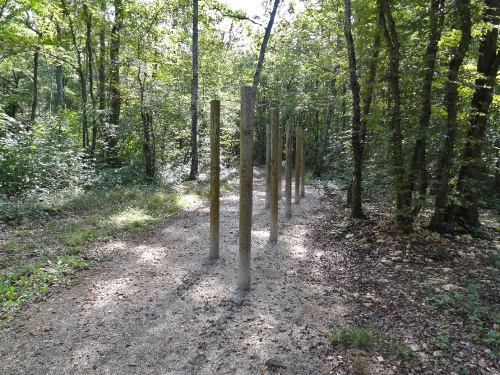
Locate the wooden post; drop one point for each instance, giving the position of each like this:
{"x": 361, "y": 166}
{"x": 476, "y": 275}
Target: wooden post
{"x": 280, "y": 171}
{"x": 298, "y": 162}
{"x": 246, "y": 182}
{"x": 288, "y": 170}
{"x": 302, "y": 164}
{"x": 268, "y": 164}
{"x": 275, "y": 170}
{"x": 214, "y": 178}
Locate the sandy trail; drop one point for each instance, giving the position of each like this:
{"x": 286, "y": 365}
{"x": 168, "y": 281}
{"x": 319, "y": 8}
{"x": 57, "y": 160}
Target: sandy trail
{"x": 158, "y": 306}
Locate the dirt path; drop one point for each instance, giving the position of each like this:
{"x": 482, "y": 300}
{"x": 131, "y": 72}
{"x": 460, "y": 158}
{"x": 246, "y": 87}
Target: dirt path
{"x": 158, "y": 306}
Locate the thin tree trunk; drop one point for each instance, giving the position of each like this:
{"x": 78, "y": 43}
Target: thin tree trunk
{"x": 488, "y": 63}
{"x": 370, "y": 85}
{"x": 318, "y": 169}
{"x": 90, "y": 72}
{"x": 440, "y": 219}
{"x": 115, "y": 93}
{"x": 81, "y": 75}
{"x": 194, "y": 97}
{"x": 34, "y": 104}
{"x": 403, "y": 218}
{"x": 102, "y": 76}
{"x": 357, "y": 147}
{"x": 59, "y": 77}
{"x": 418, "y": 167}
{"x": 262, "y": 52}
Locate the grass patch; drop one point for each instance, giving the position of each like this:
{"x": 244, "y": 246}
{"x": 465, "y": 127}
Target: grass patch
{"x": 358, "y": 342}
{"x": 18, "y": 286}
{"x": 353, "y": 337}
{"x": 356, "y": 338}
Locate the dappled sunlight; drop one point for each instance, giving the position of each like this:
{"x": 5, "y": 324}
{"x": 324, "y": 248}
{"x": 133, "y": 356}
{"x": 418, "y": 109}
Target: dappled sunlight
{"x": 130, "y": 217}
{"x": 107, "y": 290}
{"x": 186, "y": 200}
{"x": 298, "y": 251}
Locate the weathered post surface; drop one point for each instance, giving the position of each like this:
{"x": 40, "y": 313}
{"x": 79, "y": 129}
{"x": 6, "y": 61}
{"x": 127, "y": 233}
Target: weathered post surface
{"x": 246, "y": 182}
{"x": 214, "y": 178}
{"x": 268, "y": 164}
{"x": 302, "y": 165}
{"x": 288, "y": 170}
{"x": 275, "y": 170}
{"x": 280, "y": 173}
{"x": 298, "y": 162}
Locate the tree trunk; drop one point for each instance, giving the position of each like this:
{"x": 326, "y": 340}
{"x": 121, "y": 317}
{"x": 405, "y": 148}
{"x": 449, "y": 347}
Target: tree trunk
{"x": 262, "y": 52}
{"x": 368, "y": 97}
{"x": 403, "y": 218}
{"x": 194, "y": 97}
{"x": 59, "y": 78}
{"x": 102, "y": 76}
{"x": 81, "y": 75}
{"x": 418, "y": 167}
{"x": 90, "y": 72}
{"x": 441, "y": 221}
{"x": 467, "y": 211}
{"x": 116, "y": 101}
{"x": 34, "y": 104}
{"x": 318, "y": 169}
{"x": 357, "y": 148}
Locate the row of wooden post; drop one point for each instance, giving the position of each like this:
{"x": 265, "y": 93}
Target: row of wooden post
{"x": 273, "y": 178}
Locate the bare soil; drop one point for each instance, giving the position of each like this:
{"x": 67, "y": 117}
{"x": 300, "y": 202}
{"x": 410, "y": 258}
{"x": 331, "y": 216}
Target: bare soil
{"x": 159, "y": 306}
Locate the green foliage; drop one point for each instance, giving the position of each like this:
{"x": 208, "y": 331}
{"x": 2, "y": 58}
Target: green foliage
{"x": 18, "y": 286}
{"x": 39, "y": 160}
{"x": 470, "y": 306}
{"x": 353, "y": 337}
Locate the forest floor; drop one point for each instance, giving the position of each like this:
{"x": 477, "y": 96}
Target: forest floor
{"x": 333, "y": 296}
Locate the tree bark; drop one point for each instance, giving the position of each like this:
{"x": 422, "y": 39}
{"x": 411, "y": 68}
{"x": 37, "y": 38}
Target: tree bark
{"x": 403, "y": 219}
{"x": 59, "y": 77}
{"x": 90, "y": 73}
{"x": 441, "y": 221}
{"x": 102, "y": 75}
{"x": 357, "y": 147}
{"x": 318, "y": 169}
{"x": 34, "y": 104}
{"x": 81, "y": 75}
{"x": 262, "y": 52}
{"x": 467, "y": 210}
{"x": 114, "y": 84}
{"x": 194, "y": 97}
{"x": 418, "y": 167}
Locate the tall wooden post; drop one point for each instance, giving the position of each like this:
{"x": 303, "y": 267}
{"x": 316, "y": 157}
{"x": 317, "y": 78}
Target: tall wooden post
{"x": 302, "y": 164}
{"x": 246, "y": 182}
{"x": 214, "y": 177}
{"x": 268, "y": 164}
{"x": 288, "y": 170}
{"x": 298, "y": 162}
{"x": 280, "y": 172}
{"x": 275, "y": 170}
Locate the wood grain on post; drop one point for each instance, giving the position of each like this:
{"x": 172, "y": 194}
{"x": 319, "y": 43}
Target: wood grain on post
{"x": 275, "y": 170}
{"x": 280, "y": 172}
{"x": 298, "y": 162}
{"x": 288, "y": 170}
{"x": 302, "y": 164}
{"x": 214, "y": 178}
{"x": 246, "y": 182}
{"x": 268, "y": 164}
